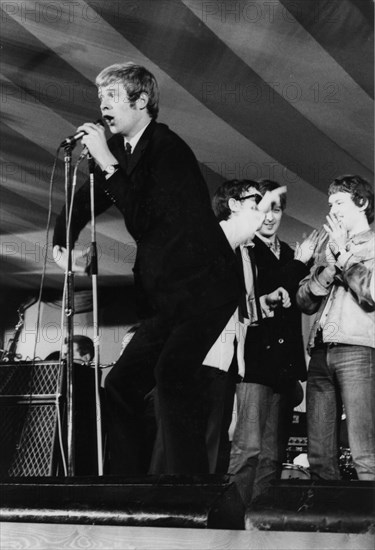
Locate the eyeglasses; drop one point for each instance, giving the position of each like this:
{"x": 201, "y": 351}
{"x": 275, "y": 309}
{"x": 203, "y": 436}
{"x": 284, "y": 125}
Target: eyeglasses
{"x": 256, "y": 197}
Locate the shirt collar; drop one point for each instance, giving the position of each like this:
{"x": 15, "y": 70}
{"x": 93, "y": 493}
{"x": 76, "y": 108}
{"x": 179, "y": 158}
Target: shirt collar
{"x": 134, "y": 140}
{"x": 273, "y": 245}
{"x": 361, "y": 237}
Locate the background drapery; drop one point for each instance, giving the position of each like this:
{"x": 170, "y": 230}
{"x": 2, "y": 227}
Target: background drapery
{"x": 276, "y": 89}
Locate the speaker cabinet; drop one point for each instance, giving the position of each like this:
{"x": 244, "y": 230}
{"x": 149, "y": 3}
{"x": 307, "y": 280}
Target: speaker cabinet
{"x": 30, "y": 400}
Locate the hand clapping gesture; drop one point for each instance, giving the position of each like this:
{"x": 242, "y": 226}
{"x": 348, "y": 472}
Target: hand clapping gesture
{"x": 304, "y": 251}
{"x": 338, "y": 235}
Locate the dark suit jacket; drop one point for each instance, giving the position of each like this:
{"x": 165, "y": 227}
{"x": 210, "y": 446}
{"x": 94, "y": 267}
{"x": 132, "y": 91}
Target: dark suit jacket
{"x": 285, "y": 359}
{"x": 184, "y": 264}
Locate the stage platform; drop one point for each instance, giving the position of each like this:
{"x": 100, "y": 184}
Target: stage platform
{"x": 176, "y": 512}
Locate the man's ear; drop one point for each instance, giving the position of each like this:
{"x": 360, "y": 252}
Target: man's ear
{"x": 142, "y": 101}
{"x": 363, "y": 204}
{"x": 234, "y": 205}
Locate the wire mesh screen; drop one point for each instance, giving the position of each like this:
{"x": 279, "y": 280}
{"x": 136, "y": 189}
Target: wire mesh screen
{"x": 29, "y": 401}
{"x": 28, "y": 435}
{"x": 30, "y": 378}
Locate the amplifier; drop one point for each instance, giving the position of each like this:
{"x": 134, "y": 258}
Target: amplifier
{"x": 295, "y": 447}
{"x": 30, "y": 400}
{"x": 299, "y": 425}
{"x": 24, "y": 380}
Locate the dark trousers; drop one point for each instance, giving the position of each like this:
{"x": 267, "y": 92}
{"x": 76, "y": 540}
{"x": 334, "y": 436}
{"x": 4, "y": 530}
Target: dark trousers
{"x": 169, "y": 354}
{"x": 213, "y": 388}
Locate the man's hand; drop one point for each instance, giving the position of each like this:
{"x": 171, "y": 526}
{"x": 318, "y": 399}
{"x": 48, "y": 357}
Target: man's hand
{"x": 96, "y": 143}
{"x": 279, "y": 297}
{"x": 60, "y": 256}
{"x": 304, "y": 251}
{"x": 269, "y": 198}
{"x": 338, "y": 234}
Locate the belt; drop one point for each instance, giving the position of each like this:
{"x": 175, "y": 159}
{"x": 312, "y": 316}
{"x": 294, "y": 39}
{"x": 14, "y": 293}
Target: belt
{"x": 318, "y": 341}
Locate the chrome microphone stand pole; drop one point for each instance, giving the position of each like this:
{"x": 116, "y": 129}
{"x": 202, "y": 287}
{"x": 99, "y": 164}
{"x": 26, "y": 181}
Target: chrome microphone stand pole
{"x": 69, "y": 313}
{"x": 96, "y": 336}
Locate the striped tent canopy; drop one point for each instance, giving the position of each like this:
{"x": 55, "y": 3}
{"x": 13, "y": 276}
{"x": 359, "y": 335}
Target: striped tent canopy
{"x": 279, "y": 89}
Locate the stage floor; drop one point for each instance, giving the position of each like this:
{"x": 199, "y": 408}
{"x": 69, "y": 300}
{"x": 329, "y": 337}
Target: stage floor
{"x": 39, "y": 536}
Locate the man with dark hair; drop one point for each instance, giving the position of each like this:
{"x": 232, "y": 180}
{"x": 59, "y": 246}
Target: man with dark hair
{"x": 340, "y": 289}
{"x": 240, "y": 208}
{"x": 83, "y": 348}
{"x": 246, "y": 192}
{"x": 273, "y": 355}
{"x": 235, "y": 204}
{"x": 239, "y": 205}
{"x": 185, "y": 271}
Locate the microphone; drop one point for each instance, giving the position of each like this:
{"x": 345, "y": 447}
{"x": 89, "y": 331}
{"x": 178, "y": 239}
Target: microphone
{"x": 72, "y": 140}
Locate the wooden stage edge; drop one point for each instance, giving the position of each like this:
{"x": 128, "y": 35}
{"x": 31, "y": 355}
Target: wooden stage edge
{"x": 102, "y": 537}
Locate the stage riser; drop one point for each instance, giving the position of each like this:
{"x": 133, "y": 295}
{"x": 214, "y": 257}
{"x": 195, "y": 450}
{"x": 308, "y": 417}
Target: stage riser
{"x": 191, "y": 502}
{"x": 165, "y": 501}
{"x": 326, "y": 506}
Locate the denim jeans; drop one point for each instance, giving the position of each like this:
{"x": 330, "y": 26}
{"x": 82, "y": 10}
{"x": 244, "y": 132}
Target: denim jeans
{"x": 341, "y": 374}
{"x": 258, "y": 442}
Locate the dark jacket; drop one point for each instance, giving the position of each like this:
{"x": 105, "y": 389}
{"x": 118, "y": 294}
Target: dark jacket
{"x": 184, "y": 264}
{"x": 274, "y": 352}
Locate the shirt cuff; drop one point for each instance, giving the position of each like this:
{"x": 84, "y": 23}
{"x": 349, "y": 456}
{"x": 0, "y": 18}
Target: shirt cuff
{"x": 342, "y": 259}
{"x": 108, "y": 176}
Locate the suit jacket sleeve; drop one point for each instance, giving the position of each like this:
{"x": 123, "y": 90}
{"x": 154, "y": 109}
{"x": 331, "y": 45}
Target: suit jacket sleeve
{"x": 169, "y": 166}
{"x": 288, "y": 272}
{"x": 291, "y": 274}
{"x": 81, "y": 212}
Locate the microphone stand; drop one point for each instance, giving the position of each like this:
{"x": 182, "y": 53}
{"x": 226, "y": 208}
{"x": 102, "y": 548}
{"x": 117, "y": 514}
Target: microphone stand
{"x": 94, "y": 279}
{"x": 69, "y": 312}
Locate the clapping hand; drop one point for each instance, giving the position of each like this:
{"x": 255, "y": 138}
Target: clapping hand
{"x": 304, "y": 251}
{"x": 338, "y": 235}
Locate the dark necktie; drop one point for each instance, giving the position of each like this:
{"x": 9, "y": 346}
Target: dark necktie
{"x": 250, "y": 250}
{"x": 242, "y": 306}
{"x": 128, "y": 153}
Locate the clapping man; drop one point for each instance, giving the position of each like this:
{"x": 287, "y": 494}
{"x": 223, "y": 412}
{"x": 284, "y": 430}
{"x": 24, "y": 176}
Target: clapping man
{"x": 340, "y": 291}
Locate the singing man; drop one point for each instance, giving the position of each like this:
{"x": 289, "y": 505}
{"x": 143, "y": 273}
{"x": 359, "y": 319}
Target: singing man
{"x": 185, "y": 271}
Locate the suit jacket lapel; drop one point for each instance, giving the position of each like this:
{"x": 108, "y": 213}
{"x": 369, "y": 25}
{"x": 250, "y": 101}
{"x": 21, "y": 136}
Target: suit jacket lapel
{"x": 140, "y": 147}
{"x": 265, "y": 252}
{"x": 118, "y": 149}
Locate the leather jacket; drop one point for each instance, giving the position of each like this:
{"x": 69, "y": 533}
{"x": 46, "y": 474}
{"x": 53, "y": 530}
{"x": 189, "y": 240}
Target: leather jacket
{"x": 342, "y": 298}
